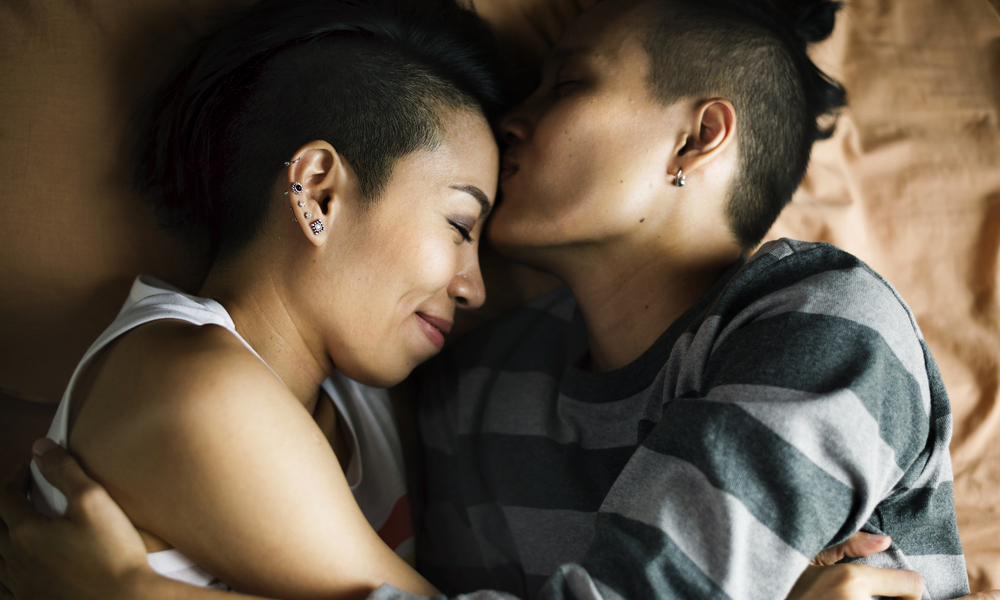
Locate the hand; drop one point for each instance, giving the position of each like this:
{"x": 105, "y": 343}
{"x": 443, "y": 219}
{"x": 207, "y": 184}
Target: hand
{"x": 860, "y": 545}
{"x": 856, "y": 582}
{"x": 824, "y": 579}
{"x": 92, "y": 552}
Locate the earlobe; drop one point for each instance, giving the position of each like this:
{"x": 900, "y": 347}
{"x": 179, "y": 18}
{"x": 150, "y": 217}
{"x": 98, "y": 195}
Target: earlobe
{"x": 679, "y": 179}
{"x": 316, "y": 179}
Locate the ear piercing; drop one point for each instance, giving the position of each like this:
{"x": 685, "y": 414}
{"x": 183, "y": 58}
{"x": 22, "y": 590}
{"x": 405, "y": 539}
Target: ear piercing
{"x": 317, "y": 226}
{"x": 296, "y": 187}
{"x": 301, "y": 203}
{"x": 680, "y": 180}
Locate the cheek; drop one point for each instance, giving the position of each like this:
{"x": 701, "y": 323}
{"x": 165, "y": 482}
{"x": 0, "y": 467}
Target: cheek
{"x": 422, "y": 266}
{"x": 571, "y": 156}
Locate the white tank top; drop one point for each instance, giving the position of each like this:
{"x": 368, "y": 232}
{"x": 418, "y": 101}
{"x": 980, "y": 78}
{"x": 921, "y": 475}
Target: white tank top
{"x": 375, "y": 472}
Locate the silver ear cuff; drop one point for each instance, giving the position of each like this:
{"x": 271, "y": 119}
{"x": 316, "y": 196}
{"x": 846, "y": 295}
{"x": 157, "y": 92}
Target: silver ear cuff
{"x": 680, "y": 180}
{"x": 317, "y": 226}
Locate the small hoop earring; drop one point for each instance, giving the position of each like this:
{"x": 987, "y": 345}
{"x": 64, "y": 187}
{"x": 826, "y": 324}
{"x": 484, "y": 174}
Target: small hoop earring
{"x": 296, "y": 188}
{"x": 317, "y": 226}
{"x": 288, "y": 164}
{"x": 680, "y": 180}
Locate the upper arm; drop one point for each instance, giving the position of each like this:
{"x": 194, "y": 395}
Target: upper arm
{"x": 214, "y": 455}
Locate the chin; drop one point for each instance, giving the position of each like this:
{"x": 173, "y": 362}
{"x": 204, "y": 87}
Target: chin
{"x": 515, "y": 239}
{"x": 380, "y": 376}
{"x": 380, "y": 380}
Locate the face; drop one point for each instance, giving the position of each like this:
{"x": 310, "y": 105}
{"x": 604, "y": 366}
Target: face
{"x": 400, "y": 269}
{"x": 589, "y": 148}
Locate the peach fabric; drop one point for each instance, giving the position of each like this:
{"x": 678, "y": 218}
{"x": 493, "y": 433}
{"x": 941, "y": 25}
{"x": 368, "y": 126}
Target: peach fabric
{"x": 910, "y": 183}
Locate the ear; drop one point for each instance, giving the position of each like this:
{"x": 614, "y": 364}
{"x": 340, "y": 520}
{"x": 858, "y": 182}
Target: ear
{"x": 713, "y": 129}
{"x": 319, "y": 182}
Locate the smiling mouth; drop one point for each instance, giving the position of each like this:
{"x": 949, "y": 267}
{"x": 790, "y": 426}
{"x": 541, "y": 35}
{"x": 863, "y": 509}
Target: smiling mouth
{"x": 434, "y": 328}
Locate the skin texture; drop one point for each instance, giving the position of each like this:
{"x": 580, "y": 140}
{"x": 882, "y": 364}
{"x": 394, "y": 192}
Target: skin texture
{"x": 208, "y": 451}
{"x": 95, "y": 554}
{"x": 588, "y": 186}
{"x": 602, "y": 214}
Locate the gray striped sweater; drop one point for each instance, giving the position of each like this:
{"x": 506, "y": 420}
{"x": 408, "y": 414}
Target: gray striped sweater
{"x": 793, "y": 405}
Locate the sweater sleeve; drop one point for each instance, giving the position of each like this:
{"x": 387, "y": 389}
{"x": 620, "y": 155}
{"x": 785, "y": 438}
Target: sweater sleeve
{"x": 807, "y": 414}
{"x": 803, "y": 408}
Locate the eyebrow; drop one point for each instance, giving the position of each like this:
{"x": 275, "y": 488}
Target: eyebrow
{"x": 478, "y": 194}
{"x": 563, "y": 53}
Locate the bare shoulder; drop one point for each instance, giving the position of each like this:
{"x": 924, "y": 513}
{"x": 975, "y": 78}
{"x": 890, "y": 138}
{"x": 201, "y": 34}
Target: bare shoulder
{"x": 205, "y": 449}
{"x": 163, "y": 388}
{"x": 176, "y": 364}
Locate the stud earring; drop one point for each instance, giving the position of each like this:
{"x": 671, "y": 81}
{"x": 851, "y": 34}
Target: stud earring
{"x": 296, "y": 188}
{"x": 680, "y": 180}
{"x": 308, "y": 215}
{"x": 317, "y": 226}
{"x": 301, "y": 203}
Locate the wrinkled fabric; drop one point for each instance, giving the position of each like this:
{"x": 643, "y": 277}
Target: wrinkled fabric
{"x": 910, "y": 183}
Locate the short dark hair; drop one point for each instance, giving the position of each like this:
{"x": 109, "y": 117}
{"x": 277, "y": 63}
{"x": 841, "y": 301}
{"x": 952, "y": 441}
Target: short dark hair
{"x": 754, "y": 56}
{"x": 371, "y": 77}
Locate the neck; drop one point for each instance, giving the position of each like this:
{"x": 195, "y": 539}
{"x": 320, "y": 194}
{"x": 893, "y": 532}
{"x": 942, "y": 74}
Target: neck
{"x": 257, "y": 304}
{"x": 628, "y": 303}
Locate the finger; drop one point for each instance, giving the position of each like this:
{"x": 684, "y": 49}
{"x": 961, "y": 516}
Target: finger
{"x": 14, "y": 504}
{"x": 889, "y": 582}
{"x": 59, "y": 467}
{"x": 863, "y": 544}
{"x": 859, "y": 545}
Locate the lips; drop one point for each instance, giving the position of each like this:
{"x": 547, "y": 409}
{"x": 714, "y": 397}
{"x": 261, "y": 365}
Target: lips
{"x": 507, "y": 169}
{"x": 434, "y": 328}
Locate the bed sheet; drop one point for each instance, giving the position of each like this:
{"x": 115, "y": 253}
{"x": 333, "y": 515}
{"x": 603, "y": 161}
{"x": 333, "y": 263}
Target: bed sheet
{"x": 910, "y": 183}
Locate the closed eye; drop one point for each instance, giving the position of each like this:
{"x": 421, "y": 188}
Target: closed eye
{"x": 565, "y": 87}
{"x": 461, "y": 229}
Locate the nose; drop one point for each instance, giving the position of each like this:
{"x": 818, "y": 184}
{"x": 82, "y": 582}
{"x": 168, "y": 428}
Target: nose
{"x": 466, "y": 287}
{"x": 514, "y": 128}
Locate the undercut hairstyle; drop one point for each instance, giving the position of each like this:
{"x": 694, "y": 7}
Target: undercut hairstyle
{"x": 374, "y": 78}
{"x": 753, "y": 55}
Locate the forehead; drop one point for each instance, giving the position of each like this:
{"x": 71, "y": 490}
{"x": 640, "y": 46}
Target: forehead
{"x": 607, "y": 28}
{"x": 466, "y": 146}
{"x": 465, "y": 155}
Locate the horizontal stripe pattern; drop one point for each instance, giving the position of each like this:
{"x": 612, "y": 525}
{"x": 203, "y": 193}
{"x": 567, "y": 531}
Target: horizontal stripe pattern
{"x": 709, "y": 525}
{"x": 823, "y": 427}
{"x": 795, "y": 403}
